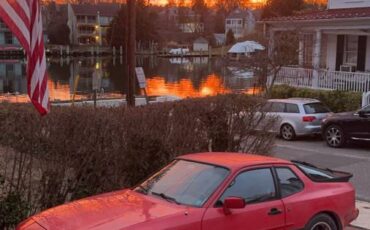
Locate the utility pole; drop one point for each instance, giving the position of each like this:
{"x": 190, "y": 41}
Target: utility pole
{"x": 131, "y": 50}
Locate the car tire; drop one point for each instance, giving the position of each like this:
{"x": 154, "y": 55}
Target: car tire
{"x": 287, "y": 132}
{"x": 335, "y": 136}
{"x": 321, "y": 221}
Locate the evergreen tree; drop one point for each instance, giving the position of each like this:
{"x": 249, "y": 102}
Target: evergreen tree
{"x": 230, "y": 38}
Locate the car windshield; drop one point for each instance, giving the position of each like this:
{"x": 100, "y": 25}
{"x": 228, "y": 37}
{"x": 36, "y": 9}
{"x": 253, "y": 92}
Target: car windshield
{"x": 184, "y": 182}
{"x": 314, "y": 108}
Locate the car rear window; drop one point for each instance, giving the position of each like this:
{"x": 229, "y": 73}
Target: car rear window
{"x": 313, "y": 108}
{"x": 322, "y": 175}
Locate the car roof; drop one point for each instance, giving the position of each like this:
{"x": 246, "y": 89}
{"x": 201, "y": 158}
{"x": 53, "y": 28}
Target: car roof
{"x": 295, "y": 100}
{"x": 232, "y": 160}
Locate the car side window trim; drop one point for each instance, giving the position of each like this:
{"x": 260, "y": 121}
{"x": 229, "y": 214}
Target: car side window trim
{"x": 218, "y": 202}
{"x": 277, "y": 181}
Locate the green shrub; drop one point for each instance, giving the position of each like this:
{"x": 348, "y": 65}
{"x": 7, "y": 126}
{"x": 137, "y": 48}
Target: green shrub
{"x": 337, "y": 101}
{"x": 79, "y": 151}
{"x": 13, "y": 209}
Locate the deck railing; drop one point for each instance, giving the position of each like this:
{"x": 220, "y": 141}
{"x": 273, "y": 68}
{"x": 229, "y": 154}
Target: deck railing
{"x": 295, "y": 76}
{"x": 332, "y": 80}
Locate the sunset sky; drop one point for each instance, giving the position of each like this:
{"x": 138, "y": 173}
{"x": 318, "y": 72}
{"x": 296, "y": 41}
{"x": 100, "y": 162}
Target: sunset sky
{"x": 164, "y": 2}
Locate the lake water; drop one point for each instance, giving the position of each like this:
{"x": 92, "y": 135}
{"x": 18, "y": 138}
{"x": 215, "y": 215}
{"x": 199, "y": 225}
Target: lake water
{"x": 76, "y": 78}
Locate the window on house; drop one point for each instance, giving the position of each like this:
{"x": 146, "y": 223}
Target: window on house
{"x": 8, "y": 38}
{"x": 228, "y": 22}
{"x": 350, "y": 50}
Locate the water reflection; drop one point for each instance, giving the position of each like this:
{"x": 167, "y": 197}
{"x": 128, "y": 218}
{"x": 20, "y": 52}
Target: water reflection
{"x": 77, "y": 78}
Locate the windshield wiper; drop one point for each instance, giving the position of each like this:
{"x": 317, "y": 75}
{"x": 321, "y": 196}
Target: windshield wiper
{"x": 164, "y": 196}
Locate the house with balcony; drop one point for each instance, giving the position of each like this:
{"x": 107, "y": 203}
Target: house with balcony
{"x": 241, "y": 22}
{"x": 88, "y": 23}
{"x": 334, "y": 46}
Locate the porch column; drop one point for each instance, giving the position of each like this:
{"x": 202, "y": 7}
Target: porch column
{"x": 271, "y": 43}
{"x": 301, "y": 51}
{"x": 316, "y": 56}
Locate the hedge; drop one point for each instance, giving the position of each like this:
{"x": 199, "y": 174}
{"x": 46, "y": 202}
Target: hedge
{"x": 337, "y": 101}
{"x": 79, "y": 151}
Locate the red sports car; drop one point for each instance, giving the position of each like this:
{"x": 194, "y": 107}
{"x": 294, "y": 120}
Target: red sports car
{"x": 217, "y": 191}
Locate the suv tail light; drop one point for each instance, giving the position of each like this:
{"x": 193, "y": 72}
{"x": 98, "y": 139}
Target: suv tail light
{"x": 308, "y": 118}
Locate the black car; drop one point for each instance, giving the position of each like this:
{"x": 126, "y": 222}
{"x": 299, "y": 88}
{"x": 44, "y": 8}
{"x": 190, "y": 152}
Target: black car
{"x": 342, "y": 127}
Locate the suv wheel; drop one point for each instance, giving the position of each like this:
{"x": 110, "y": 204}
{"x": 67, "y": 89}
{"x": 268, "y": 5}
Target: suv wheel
{"x": 321, "y": 222}
{"x": 334, "y": 136}
{"x": 287, "y": 132}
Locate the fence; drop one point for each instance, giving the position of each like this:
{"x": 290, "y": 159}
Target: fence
{"x": 332, "y": 80}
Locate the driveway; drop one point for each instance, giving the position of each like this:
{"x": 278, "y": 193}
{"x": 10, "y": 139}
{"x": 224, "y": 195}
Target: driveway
{"x": 355, "y": 159}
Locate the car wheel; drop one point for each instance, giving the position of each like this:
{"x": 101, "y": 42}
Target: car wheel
{"x": 334, "y": 136}
{"x": 287, "y": 132}
{"x": 321, "y": 222}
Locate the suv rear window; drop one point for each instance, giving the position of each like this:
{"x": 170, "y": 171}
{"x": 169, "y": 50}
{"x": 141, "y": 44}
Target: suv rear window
{"x": 313, "y": 108}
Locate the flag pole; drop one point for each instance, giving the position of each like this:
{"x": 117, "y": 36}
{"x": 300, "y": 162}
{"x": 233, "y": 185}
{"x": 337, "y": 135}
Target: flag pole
{"x": 131, "y": 49}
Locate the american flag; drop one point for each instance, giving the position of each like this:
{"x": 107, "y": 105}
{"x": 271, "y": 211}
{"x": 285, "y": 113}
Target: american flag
{"x": 23, "y": 17}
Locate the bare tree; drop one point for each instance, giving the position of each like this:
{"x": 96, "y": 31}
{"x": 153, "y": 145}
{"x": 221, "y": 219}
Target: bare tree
{"x": 283, "y": 51}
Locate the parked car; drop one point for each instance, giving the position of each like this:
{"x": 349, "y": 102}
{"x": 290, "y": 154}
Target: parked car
{"x": 342, "y": 127}
{"x": 296, "y": 116}
{"x": 216, "y": 191}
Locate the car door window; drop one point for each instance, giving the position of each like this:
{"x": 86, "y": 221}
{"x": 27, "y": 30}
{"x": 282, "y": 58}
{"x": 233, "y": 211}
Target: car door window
{"x": 277, "y": 107}
{"x": 254, "y": 186}
{"x": 288, "y": 181}
{"x": 292, "y": 108}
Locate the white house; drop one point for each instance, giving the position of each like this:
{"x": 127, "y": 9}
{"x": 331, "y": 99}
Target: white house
{"x": 240, "y": 22}
{"x": 334, "y": 45}
{"x": 201, "y": 44}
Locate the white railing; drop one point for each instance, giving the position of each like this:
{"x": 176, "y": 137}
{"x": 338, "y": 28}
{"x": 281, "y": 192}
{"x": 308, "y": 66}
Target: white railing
{"x": 332, "y": 80}
{"x": 295, "y": 76}
{"x": 346, "y": 81}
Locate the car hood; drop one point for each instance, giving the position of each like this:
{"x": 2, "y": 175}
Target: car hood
{"x": 118, "y": 210}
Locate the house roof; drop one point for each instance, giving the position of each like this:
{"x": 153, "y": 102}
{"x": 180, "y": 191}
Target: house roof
{"x": 201, "y": 40}
{"x": 329, "y": 14}
{"x": 104, "y": 9}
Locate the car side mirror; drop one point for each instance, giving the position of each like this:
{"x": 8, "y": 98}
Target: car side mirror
{"x": 233, "y": 203}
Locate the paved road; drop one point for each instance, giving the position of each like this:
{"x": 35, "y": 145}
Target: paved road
{"x": 355, "y": 159}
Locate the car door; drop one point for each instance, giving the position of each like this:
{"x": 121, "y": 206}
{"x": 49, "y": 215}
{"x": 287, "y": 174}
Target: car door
{"x": 263, "y": 210}
{"x": 277, "y": 111}
{"x": 363, "y": 126}
{"x": 291, "y": 187}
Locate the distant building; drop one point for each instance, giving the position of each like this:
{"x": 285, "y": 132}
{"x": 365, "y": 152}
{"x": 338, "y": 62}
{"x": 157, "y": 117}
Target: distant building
{"x": 7, "y": 39}
{"x": 201, "y": 44}
{"x": 89, "y": 23}
{"x": 220, "y": 39}
{"x": 185, "y": 19}
{"x": 240, "y": 22}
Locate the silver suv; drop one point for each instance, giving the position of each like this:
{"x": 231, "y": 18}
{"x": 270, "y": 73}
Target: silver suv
{"x": 296, "y": 116}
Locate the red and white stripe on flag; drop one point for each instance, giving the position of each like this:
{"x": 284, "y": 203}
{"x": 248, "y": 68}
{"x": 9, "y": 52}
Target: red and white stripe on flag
{"x": 23, "y": 17}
